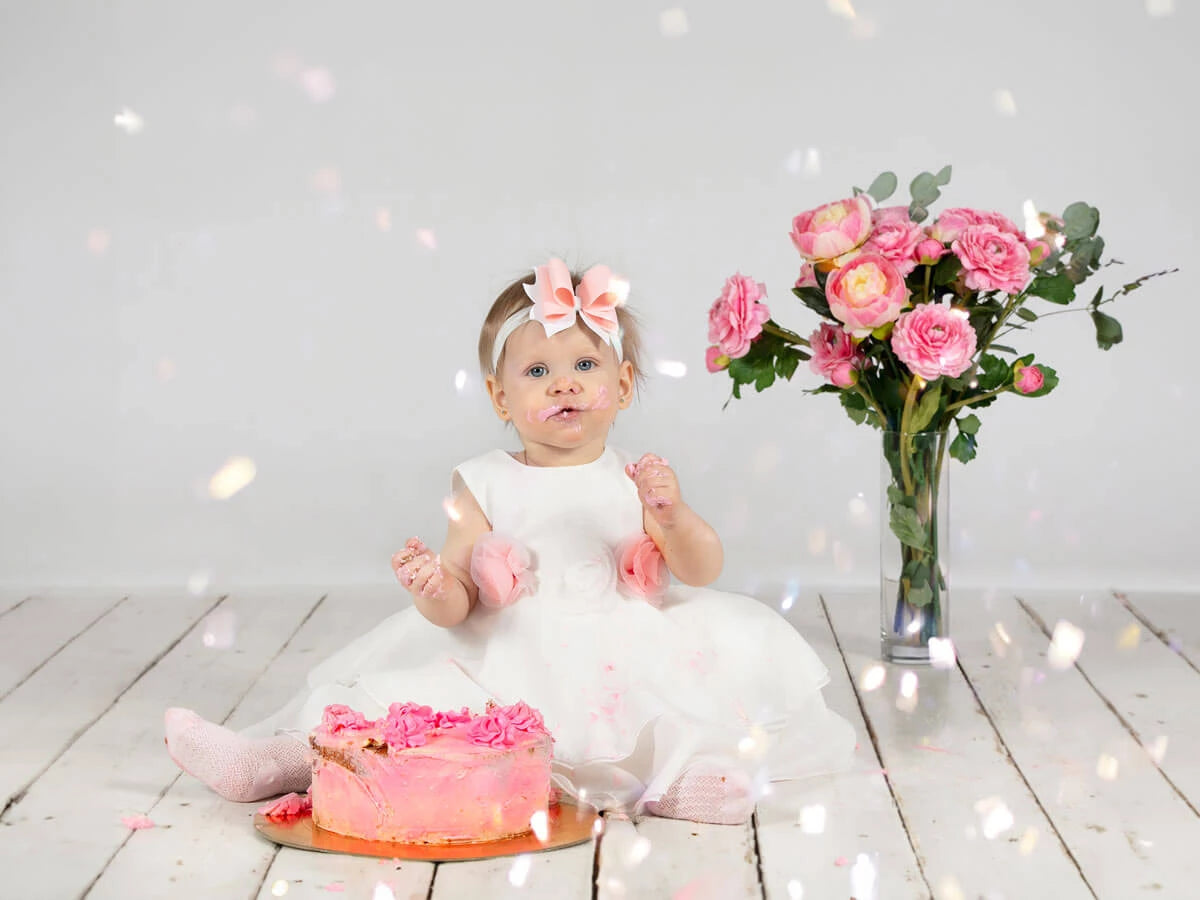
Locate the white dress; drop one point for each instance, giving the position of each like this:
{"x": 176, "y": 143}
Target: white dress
{"x": 632, "y": 694}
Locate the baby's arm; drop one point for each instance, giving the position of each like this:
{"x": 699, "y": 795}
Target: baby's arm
{"x": 689, "y": 545}
{"x": 441, "y": 585}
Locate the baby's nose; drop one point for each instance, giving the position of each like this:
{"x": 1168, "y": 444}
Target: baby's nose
{"x": 564, "y": 385}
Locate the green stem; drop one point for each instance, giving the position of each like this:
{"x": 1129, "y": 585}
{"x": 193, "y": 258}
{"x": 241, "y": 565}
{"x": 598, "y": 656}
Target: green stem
{"x": 781, "y": 332}
{"x": 905, "y": 437}
{"x": 866, "y": 395}
{"x": 975, "y": 399}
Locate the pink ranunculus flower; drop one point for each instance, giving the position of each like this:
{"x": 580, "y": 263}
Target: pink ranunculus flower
{"x": 952, "y": 222}
{"x": 929, "y": 251}
{"x": 523, "y": 717}
{"x": 338, "y": 718}
{"x": 736, "y": 317}
{"x": 492, "y": 729}
{"x": 895, "y": 236}
{"x": 500, "y": 568}
{"x": 934, "y": 340}
{"x": 993, "y": 260}
{"x": 642, "y": 570}
{"x": 835, "y": 356}
{"x": 1027, "y": 379}
{"x": 808, "y": 276}
{"x": 715, "y": 360}
{"x": 865, "y": 293}
{"x": 832, "y": 230}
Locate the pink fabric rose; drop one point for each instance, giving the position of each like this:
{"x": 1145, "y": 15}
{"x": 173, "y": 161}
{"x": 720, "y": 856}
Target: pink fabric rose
{"x": 289, "y": 806}
{"x": 835, "y": 356}
{"x": 522, "y": 717}
{"x": 406, "y": 725}
{"x": 934, "y": 340}
{"x": 895, "y": 236}
{"x": 1027, "y": 379}
{"x": 736, "y": 317}
{"x": 865, "y": 293}
{"x": 715, "y": 360}
{"x": 808, "y": 276}
{"x": 338, "y": 718}
{"x": 993, "y": 260}
{"x": 952, "y": 222}
{"x": 929, "y": 251}
{"x": 446, "y": 718}
{"x": 493, "y": 730}
{"x": 642, "y": 570}
{"x": 500, "y": 568}
{"x": 832, "y": 230}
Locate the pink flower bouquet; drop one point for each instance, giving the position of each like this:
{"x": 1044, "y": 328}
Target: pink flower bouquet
{"x": 912, "y": 318}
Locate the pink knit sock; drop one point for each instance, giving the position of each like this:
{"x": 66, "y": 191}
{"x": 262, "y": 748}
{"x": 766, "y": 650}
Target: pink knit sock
{"x": 236, "y": 767}
{"x": 706, "y": 792}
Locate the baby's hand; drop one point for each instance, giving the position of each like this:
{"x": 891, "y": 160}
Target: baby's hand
{"x": 658, "y": 488}
{"x": 419, "y": 570}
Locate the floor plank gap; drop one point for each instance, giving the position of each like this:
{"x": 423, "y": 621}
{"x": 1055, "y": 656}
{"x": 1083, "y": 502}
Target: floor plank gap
{"x": 1154, "y": 630}
{"x": 1041, "y": 623}
{"x": 875, "y": 745}
{"x": 19, "y": 603}
{"x": 758, "y": 871}
{"x": 262, "y": 882}
{"x": 437, "y": 867}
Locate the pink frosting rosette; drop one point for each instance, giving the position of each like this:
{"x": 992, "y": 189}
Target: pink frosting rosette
{"x": 895, "y": 237}
{"x": 407, "y": 724}
{"x": 835, "y": 356}
{"x": 865, "y": 293}
{"x": 934, "y": 340}
{"x": 736, "y": 317}
{"x": 338, "y": 718}
{"x": 993, "y": 260}
{"x": 523, "y": 717}
{"x": 500, "y": 568}
{"x": 641, "y": 569}
{"x": 832, "y": 230}
{"x": 446, "y": 718}
{"x": 493, "y": 730}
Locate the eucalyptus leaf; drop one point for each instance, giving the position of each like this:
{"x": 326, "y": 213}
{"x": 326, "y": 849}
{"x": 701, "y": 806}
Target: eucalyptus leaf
{"x": 969, "y": 424}
{"x": 1058, "y": 288}
{"x": 963, "y": 447}
{"x": 906, "y": 525}
{"x": 917, "y": 213}
{"x": 924, "y": 189}
{"x": 883, "y": 186}
{"x": 1080, "y": 220}
{"x": 1108, "y": 330}
{"x": 943, "y": 175}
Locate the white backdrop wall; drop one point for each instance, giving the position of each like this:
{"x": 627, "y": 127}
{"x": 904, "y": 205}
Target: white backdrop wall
{"x": 290, "y": 258}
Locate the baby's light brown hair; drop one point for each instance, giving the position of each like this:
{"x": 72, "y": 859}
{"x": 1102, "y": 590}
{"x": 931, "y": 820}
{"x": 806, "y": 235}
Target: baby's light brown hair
{"x": 513, "y": 298}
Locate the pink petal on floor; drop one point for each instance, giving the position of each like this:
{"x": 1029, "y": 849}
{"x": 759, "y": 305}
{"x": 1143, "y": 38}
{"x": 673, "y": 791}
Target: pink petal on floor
{"x": 335, "y": 887}
{"x": 137, "y": 823}
{"x": 840, "y": 861}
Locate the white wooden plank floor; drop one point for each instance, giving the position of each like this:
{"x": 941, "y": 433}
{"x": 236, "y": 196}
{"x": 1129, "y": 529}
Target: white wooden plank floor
{"x": 1033, "y": 767}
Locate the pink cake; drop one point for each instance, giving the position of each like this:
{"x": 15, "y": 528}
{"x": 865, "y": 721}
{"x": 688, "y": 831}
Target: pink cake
{"x": 422, "y": 777}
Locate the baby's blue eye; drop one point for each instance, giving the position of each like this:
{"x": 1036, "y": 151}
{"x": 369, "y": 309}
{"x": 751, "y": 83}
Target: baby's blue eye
{"x": 585, "y": 365}
{"x": 536, "y": 371}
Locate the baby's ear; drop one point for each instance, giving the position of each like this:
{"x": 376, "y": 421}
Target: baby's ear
{"x": 496, "y": 393}
{"x": 625, "y": 385}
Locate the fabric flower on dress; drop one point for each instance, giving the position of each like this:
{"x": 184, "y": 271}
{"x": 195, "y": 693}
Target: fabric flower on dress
{"x": 642, "y": 570}
{"x": 500, "y": 568}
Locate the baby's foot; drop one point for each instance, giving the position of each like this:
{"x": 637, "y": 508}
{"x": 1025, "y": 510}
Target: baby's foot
{"x": 236, "y": 767}
{"x": 707, "y": 792}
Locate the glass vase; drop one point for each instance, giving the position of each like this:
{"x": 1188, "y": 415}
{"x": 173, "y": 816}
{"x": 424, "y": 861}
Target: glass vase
{"x": 914, "y": 544}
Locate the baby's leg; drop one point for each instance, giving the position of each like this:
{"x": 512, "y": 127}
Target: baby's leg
{"x": 236, "y": 767}
{"x": 707, "y": 792}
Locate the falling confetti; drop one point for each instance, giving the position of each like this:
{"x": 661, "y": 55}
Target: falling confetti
{"x": 383, "y": 219}
{"x": 383, "y": 892}
{"x": 238, "y": 472}
{"x": 426, "y": 238}
{"x": 795, "y": 890}
{"x": 317, "y": 84}
{"x": 672, "y": 368}
{"x": 520, "y": 870}
{"x": 1066, "y": 642}
{"x": 812, "y": 819}
{"x": 129, "y": 121}
{"x": 673, "y": 22}
{"x": 841, "y": 861}
{"x": 219, "y": 631}
{"x": 137, "y": 823}
{"x": 335, "y": 887}
{"x": 97, "y": 242}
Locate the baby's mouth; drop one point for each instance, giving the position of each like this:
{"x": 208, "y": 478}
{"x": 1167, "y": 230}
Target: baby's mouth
{"x": 559, "y": 413}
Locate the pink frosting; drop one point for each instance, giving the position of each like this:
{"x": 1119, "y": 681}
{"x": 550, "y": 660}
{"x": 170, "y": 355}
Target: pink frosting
{"x": 500, "y": 568}
{"x": 407, "y": 725}
{"x": 642, "y": 569}
{"x": 338, "y": 718}
{"x": 447, "y": 718}
{"x": 523, "y": 717}
{"x": 289, "y": 806}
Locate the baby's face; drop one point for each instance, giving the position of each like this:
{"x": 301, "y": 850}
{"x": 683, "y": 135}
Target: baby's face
{"x": 561, "y": 393}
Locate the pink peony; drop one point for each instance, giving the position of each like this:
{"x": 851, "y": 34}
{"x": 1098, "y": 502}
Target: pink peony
{"x": 808, "y": 276}
{"x": 832, "y": 230}
{"x": 493, "y": 730}
{"x": 338, "y": 718}
{"x": 895, "y": 237}
{"x": 446, "y": 718}
{"x": 715, "y": 360}
{"x": 865, "y": 293}
{"x": 500, "y": 568}
{"x": 993, "y": 260}
{"x": 952, "y": 222}
{"x": 406, "y": 725}
{"x": 835, "y": 356}
{"x": 929, "y": 251}
{"x": 934, "y": 340}
{"x": 1027, "y": 379}
{"x": 736, "y": 317}
{"x": 289, "y": 806}
{"x": 642, "y": 570}
{"x": 522, "y": 717}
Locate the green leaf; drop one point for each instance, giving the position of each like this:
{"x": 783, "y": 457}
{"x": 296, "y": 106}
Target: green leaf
{"x": 920, "y": 595}
{"x": 943, "y": 176}
{"x": 1058, "y": 288}
{"x": 917, "y": 212}
{"x": 1027, "y": 314}
{"x": 927, "y": 406}
{"x": 994, "y": 373}
{"x": 946, "y": 270}
{"x": 786, "y": 363}
{"x": 1108, "y": 330}
{"x": 897, "y": 497}
{"x": 1003, "y": 348}
{"x": 883, "y": 186}
{"x": 1080, "y": 220}
{"x": 766, "y": 378}
{"x": 916, "y": 571}
{"x": 963, "y": 447}
{"x": 906, "y": 525}
{"x": 968, "y": 424}
{"x": 924, "y": 190}
{"x": 855, "y": 406}
{"x": 814, "y": 299}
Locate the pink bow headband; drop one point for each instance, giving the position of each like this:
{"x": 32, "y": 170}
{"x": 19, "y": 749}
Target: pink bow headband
{"x": 557, "y": 304}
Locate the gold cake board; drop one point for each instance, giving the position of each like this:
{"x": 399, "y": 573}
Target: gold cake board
{"x": 567, "y": 824}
